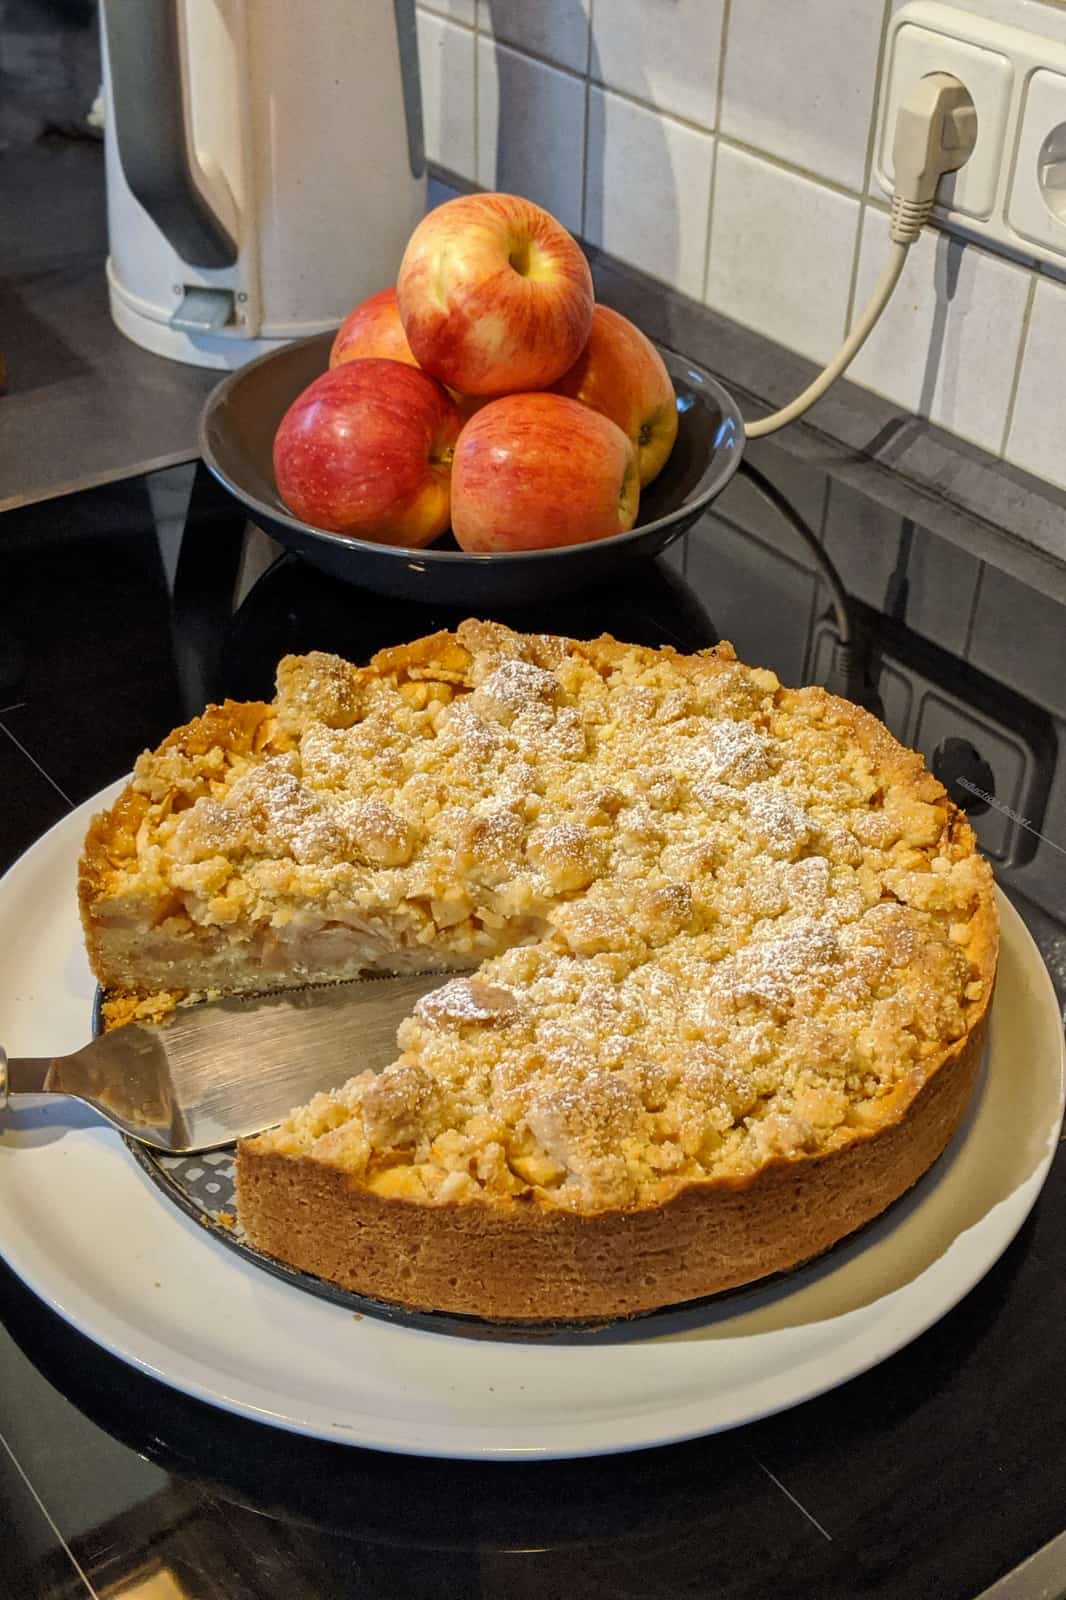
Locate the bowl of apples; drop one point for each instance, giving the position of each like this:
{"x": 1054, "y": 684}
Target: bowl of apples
{"x": 483, "y": 433}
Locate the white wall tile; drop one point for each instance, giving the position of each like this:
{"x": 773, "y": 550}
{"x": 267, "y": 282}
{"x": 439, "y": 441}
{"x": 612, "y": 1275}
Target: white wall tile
{"x": 782, "y": 249}
{"x": 558, "y": 29}
{"x": 664, "y": 51}
{"x": 947, "y": 345}
{"x": 647, "y": 189}
{"x": 800, "y": 81}
{"x": 537, "y": 147}
{"x": 1037, "y": 439}
{"x": 460, "y": 10}
{"x": 446, "y": 64}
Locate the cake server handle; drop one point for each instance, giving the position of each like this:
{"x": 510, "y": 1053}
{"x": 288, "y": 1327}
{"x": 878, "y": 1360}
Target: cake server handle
{"x": 142, "y": 1106}
{"x": 22, "y": 1075}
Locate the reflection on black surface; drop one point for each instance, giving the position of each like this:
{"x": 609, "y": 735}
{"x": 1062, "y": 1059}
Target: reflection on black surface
{"x": 294, "y": 608}
{"x": 254, "y": 1512}
{"x": 848, "y": 670}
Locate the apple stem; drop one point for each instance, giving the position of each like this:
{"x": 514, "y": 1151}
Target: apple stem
{"x": 519, "y": 258}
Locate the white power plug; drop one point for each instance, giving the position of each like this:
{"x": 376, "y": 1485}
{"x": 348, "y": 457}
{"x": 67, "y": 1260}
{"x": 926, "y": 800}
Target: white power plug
{"x": 936, "y": 131}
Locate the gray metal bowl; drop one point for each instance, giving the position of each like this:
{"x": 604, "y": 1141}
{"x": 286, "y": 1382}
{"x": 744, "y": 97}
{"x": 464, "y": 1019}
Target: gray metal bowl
{"x": 237, "y": 431}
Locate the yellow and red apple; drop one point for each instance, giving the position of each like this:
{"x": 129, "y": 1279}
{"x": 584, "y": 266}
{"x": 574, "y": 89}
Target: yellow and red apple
{"x": 621, "y": 374}
{"x": 372, "y": 330}
{"x": 366, "y": 450}
{"x": 494, "y": 294}
{"x": 533, "y": 471}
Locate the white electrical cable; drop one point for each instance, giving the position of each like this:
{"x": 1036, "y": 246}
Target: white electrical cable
{"x": 844, "y": 356}
{"x": 936, "y": 130}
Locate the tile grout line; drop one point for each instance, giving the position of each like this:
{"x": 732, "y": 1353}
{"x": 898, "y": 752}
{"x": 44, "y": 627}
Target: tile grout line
{"x": 585, "y": 126}
{"x": 525, "y": 50}
{"x": 971, "y": 622}
{"x": 448, "y": 16}
{"x": 585, "y": 161}
{"x": 1016, "y": 378}
{"x": 770, "y": 159}
{"x": 47, "y": 1515}
{"x": 809, "y": 649}
{"x": 813, "y": 1520}
{"x": 875, "y": 109}
{"x": 823, "y": 526}
{"x": 871, "y": 144}
{"x": 706, "y": 285}
{"x": 35, "y": 763}
{"x": 723, "y": 46}
{"x": 477, "y": 105}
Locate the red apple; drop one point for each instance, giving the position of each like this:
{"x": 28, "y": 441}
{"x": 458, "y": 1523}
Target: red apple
{"x": 373, "y": 329}
{"x": 621, "y": 374}
{"x": 533, "y": 471}
{"x": 495, "y": 295}
{"x": 366, "y": 450}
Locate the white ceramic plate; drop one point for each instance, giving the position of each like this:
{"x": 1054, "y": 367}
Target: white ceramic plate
{"x": 90, "y": 1234}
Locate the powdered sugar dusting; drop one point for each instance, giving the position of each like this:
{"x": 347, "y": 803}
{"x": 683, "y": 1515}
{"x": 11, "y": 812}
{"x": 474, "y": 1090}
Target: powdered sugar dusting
{"x": 287, "y": 814}
{"x": 728, "y": 752}
{"x": 805, "y": 954}
{"x": 465, "y": 1000}
{"x": 517, "y": 684}
{"x": 781, "y": 825}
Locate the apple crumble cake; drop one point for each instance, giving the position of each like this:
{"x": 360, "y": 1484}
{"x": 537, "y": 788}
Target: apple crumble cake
{"x": 716, "y": 960}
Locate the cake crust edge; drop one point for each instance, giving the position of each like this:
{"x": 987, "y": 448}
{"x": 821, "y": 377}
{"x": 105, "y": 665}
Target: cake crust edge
{"x": 527, "y": 1260}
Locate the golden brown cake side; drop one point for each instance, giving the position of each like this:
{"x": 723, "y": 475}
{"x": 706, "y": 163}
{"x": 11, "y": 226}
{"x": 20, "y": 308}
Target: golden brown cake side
{"x": 525, "y": 1260}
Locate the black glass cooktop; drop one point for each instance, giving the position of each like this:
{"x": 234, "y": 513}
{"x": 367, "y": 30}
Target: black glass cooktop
{"x": 933, "y": 1475}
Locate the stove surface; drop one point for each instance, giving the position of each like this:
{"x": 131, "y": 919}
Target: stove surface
{"x": 932, "y": 1475}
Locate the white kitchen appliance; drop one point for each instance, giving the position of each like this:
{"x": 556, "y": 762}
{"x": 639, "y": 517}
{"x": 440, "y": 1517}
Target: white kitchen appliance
{"x": 265, "y": 167}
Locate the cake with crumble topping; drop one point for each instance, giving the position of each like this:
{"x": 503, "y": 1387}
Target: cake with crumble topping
{"x": 716, "y": 957}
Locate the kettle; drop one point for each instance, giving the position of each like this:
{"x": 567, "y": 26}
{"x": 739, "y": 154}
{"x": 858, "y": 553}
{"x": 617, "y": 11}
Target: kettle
{"x": 265, "y": 167}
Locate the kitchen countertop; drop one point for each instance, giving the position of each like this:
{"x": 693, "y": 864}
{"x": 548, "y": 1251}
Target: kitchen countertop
{"x": 83, "y": 405}
{"x": 931, "y": 1476}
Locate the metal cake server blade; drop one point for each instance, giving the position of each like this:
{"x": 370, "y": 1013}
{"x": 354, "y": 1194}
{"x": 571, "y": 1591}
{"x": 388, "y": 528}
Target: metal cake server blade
{"x": 224, "y": 1069}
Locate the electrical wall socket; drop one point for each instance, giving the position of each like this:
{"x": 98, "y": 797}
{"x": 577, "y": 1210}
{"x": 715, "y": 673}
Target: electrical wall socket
{"x": 1012, "y": 191}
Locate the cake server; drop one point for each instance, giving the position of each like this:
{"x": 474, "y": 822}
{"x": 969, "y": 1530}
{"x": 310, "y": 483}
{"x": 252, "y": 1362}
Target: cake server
{"x": 221, "y": 1070}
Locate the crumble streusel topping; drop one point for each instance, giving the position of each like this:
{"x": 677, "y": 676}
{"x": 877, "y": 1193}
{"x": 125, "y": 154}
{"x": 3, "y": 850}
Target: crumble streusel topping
{"x": 707, "y": 929}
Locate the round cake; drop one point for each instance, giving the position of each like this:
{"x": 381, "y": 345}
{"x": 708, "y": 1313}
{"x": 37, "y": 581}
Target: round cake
{"x": 716, "y": 961}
